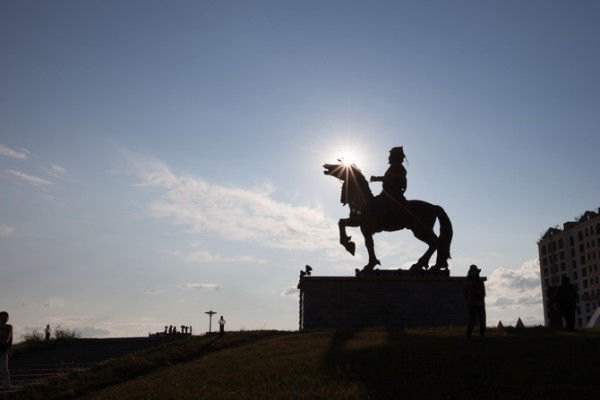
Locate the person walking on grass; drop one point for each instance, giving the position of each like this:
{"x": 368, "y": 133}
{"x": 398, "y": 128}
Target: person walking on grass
{"x": 6, "y": 337}
{"x": 474, "y": 292}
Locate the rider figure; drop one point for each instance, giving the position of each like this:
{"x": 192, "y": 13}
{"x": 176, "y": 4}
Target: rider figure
{"x": 394, "y": 180}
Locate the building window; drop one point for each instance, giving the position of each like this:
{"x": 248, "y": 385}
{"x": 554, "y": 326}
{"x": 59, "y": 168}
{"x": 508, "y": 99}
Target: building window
{"x": 563, "y": 267}
{"x": 574, "y": 275}
{"x": 583, "y": 271}
{"x": 581, "y": 248}
{"x": 561, "y": 255}
{"x": 598, "y": 229}
{"x": 582, "y": 260}
{"x": 572, "y": 241}
{"x": 544, "y": 251}
{"x": 580, "y": 235}
{"x": 545, "y": 272}
{"x": 560, "y": 243}
{"x": 585, "y": 286}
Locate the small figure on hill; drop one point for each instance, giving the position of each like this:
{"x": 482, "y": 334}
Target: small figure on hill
{"x": 170, "y": 329}
{"x": 566, "y": 300}
{"x": 6, "y": 338}
{"x": 221, "y": 326}
{"x": 474, "y": 292}
{"x": 394, "y": 180}
{"x": 166, "y": 330}
{"x": 190, "y": 330}
{"x": 47, "y": 332}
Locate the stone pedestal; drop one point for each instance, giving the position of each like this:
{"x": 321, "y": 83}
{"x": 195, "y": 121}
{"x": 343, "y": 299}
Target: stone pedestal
{"x": 381, "y": 301}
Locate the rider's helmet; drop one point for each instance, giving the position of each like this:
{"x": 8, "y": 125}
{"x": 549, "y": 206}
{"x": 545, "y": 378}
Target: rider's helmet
{"x": 397, "y": 155}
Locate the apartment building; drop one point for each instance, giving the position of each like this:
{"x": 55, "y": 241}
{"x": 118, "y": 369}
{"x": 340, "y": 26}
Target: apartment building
{"x": 573, "y": 251}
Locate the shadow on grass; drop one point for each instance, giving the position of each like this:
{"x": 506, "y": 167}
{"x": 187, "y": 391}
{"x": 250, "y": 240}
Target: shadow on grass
{"x": 534, "y": 363}
{"x": 118, "y": 370}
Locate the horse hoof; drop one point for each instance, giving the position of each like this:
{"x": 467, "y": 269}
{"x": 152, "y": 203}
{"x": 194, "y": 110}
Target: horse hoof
{"x": 415, "y": 267}
{"x": 350, "y": 247}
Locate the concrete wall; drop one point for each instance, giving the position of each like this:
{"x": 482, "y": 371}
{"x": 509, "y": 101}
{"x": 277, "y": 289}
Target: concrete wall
{"x": 401, "y": 302}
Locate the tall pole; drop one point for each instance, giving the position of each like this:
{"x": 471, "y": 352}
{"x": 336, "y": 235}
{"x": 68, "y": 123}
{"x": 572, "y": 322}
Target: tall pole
{"x": 210, "y": 314}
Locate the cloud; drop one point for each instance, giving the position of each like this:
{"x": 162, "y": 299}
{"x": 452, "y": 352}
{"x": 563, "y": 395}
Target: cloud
{"x": 90, "y": 326}
{"x": 6, "y": 231}
{"x": 207, "y": 286}
{"x": 290, "y": 292}
{"x": 202, "y": 256}
{"x": 31, "y": 179}
{"x": 57, "y": 170}
{"x": 7, "y": 151}
{"x": 234, "y": 213}
{"x": 54, "y": 302}
{"x": 90, "y": 331}
{"x": 513, "y": 293}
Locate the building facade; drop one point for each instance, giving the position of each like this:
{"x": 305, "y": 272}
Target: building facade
{"x": 573, "y": 251}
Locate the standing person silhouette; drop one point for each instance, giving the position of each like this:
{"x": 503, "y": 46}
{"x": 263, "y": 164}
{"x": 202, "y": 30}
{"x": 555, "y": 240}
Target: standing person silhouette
{"x": 47, "y": 332}
{"x": 6, "y": 338}
{"x": 221, "y": 326}
{"x": 474, "y": 292}
{"x": 566, "y": 299}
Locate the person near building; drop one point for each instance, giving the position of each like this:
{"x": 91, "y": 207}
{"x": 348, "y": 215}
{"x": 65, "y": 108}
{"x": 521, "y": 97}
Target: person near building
{"x": 6, "y": 337}
{"x": 566, "y": 300}
{"x": 474, "y": 292}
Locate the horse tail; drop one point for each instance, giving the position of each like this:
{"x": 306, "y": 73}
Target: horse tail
{"x": 445, "y": 232}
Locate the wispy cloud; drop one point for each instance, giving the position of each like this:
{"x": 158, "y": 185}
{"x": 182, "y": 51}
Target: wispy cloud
{"x": 57, "y": 171}
{"x": 242, "y": 214}
{"x": 8, "y": 152}
{"x": 6, "y": 231}
{"x": 290, "y": 292}
{"x": 202, "y": 256}
{"x": 54, "y": 302}
{"x": 207, "y": 286}
{"x": 31, "y": 179}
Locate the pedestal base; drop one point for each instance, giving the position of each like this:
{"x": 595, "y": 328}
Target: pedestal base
{"x": 381, "y": 301}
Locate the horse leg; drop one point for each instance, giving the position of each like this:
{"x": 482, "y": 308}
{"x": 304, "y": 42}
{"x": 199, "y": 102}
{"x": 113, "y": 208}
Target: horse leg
{"x": 429, "y": 237}
{"x": 373, "y": 261}
{"x": 345, "y": 241}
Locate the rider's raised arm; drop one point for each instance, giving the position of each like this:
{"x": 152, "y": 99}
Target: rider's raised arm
{"x": 376, "y": 178}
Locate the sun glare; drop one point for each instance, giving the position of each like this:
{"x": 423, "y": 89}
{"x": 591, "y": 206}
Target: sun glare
{"x": 348, "y": 157}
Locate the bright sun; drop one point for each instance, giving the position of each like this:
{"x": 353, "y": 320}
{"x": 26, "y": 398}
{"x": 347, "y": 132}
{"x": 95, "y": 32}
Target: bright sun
{"x": 349, "y": 157}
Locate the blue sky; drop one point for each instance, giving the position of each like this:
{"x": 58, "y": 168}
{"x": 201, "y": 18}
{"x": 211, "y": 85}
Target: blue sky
{"x": 159, "y": 159}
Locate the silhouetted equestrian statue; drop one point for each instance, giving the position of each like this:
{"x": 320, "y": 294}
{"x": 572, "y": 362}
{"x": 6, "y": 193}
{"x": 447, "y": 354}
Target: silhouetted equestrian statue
{"x": 390, "y": 211}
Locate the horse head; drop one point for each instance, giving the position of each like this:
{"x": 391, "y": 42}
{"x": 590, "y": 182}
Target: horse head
{"x": 355, "y": 190}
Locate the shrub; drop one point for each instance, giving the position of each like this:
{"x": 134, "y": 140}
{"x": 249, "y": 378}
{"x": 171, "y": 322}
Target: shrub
{"x": 34, "y": 337}
{"x": 61, "y": 333}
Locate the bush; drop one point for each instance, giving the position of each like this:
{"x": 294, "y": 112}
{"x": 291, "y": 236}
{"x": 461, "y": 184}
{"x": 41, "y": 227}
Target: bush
{"x": 34, "y": 337}
{"x": 61, "y": 333}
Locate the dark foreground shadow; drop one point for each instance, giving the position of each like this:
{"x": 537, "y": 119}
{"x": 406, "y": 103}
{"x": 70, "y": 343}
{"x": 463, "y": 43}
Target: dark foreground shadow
{"x": 521, "y": 364}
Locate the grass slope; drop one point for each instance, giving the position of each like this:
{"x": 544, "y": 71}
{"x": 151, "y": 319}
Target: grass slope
{"x": 372, "y": 364}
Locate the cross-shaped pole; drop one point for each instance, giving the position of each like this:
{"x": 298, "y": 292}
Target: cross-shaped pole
{"x": 210, "y": 314}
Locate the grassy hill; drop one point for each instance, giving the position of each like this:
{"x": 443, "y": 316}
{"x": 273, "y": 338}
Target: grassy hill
{"x": 371, "y": 364}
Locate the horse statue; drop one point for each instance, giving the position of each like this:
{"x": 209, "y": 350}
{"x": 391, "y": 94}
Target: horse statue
{"x": 374, "y": 214}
